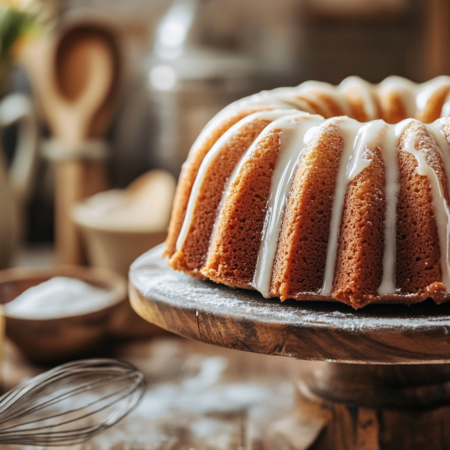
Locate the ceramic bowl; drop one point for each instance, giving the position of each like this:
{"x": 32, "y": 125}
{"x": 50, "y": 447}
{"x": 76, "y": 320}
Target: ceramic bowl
{"x": 120, "y": 225}
{"x": 63, "y": 338}
{"x": 117, "y": 226}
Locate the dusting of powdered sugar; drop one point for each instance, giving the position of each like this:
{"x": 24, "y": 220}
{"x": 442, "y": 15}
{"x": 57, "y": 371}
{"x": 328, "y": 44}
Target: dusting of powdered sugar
{"x": 202, "y": 394}
{"x": 203, "y": 406}
{"x": 154, "y": 279}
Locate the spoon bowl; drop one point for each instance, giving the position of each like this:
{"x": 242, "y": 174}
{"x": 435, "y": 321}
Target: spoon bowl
{"x": 83, "y": 76}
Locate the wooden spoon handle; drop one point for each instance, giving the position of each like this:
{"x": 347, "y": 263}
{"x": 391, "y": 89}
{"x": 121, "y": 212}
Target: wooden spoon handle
{"x": 76, "y": 180}
{"x": 69, "y": 182}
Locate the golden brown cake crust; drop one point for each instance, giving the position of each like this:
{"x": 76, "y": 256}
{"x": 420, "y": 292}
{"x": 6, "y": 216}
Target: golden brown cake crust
{"x": 225, "y": 247}
{"x": 333, "y": 109}
{"x": 359, "y": 266}
{"x": 391, "y": 107}
{"x": 191, "y": 257}
{"x": 306, "y": 223}
{"x": 418, "y": 251}
{"x": 357, "y": 102}
{"x": 235, "y": 246}
{"x": 190, "y": 170}
{"x": 434, "y": 105}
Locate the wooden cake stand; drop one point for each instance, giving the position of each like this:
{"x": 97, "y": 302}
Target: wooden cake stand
{"x": 387, "y": 381}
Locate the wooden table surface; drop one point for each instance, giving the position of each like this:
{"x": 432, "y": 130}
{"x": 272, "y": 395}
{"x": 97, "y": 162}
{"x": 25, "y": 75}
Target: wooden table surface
{"x": 199, "y": 397}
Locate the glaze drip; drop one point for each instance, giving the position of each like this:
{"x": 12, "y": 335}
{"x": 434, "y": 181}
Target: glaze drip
{"x": 388, "y": 148}
{"x": 441, "y": 208}
{"x": 297, "y": 132}
{"x": 264, "y": 115}
{"x": 292, "y": 110}
{"x": 356, "y": 138}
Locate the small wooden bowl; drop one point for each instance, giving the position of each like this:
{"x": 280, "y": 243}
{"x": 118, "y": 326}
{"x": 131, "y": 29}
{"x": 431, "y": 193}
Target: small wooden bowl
{"x": 63, "y": 338}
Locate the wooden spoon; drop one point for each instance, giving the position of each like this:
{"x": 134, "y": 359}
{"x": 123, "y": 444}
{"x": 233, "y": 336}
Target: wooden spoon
{"x": 83, "y": 77}
{"x": 75, "y": 75}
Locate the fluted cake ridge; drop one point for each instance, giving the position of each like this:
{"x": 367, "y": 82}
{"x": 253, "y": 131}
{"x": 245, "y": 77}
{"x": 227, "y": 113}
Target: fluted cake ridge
{"x": 322, "y": 192}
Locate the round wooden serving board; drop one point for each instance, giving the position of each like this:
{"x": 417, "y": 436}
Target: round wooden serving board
{"x": 244, "y": 320}
{"x": 375, "y": 401}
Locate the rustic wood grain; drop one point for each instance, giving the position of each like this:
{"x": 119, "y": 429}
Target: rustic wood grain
{"x": 182, "y": 410}
{"x": 244, "y": 320}
{"x": 379, "y": 390}
{"x": 383, "y": 407}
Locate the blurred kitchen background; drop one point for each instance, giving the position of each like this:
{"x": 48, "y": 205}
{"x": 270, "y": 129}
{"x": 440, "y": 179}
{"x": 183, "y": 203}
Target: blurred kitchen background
{"x": 176, "y": 63}
{"x": 100, "y": 102}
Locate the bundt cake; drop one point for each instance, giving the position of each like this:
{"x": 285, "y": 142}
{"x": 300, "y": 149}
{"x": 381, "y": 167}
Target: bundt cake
{"x": 322, "y": 192}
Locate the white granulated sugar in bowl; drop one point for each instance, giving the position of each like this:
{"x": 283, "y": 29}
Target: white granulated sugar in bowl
{"x": 59, "y": 297}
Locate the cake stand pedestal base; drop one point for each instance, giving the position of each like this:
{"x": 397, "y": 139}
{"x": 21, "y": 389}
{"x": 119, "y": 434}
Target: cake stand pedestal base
{"x": 386, "y": 382}
{"x": 353, "y": 406}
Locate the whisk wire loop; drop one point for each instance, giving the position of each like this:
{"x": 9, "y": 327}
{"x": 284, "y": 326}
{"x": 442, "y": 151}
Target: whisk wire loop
{"x": 82, "y": 388}
{"x": 63, "y": 397}
{"x": 70, "y": 403}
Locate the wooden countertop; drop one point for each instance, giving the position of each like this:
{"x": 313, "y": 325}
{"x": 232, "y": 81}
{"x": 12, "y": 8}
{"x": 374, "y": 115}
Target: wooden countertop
{"x": 199, "y": 397}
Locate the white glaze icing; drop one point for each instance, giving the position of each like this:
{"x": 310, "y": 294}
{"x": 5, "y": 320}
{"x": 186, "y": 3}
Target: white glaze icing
{"x": 297, "y": 131}
{"x": 426, "y": 90}
{"x": 357, "y": 137}
{"x": 366, "y": 134}
{"x": 413, "y": 97}
{"x": 275, "y": 99}
{"x": 436, "y": 131}
{"x": 217, "y": 147}
{"x": 440, "y": 206}
{"x": 354, "y": 142}
{"x": 366, "y": 90}
{"x": 446, "y": 107}
{"x": 405, "y": 89}
{"x": 245, "y": 157}
{"x": 225, "y": 192}
{"x": 389, "y": 152}
{"x": 309, "y": 89}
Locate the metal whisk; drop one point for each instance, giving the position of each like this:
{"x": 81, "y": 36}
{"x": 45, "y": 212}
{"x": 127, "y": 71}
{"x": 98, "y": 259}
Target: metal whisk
{"x": 70, "y": 403}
